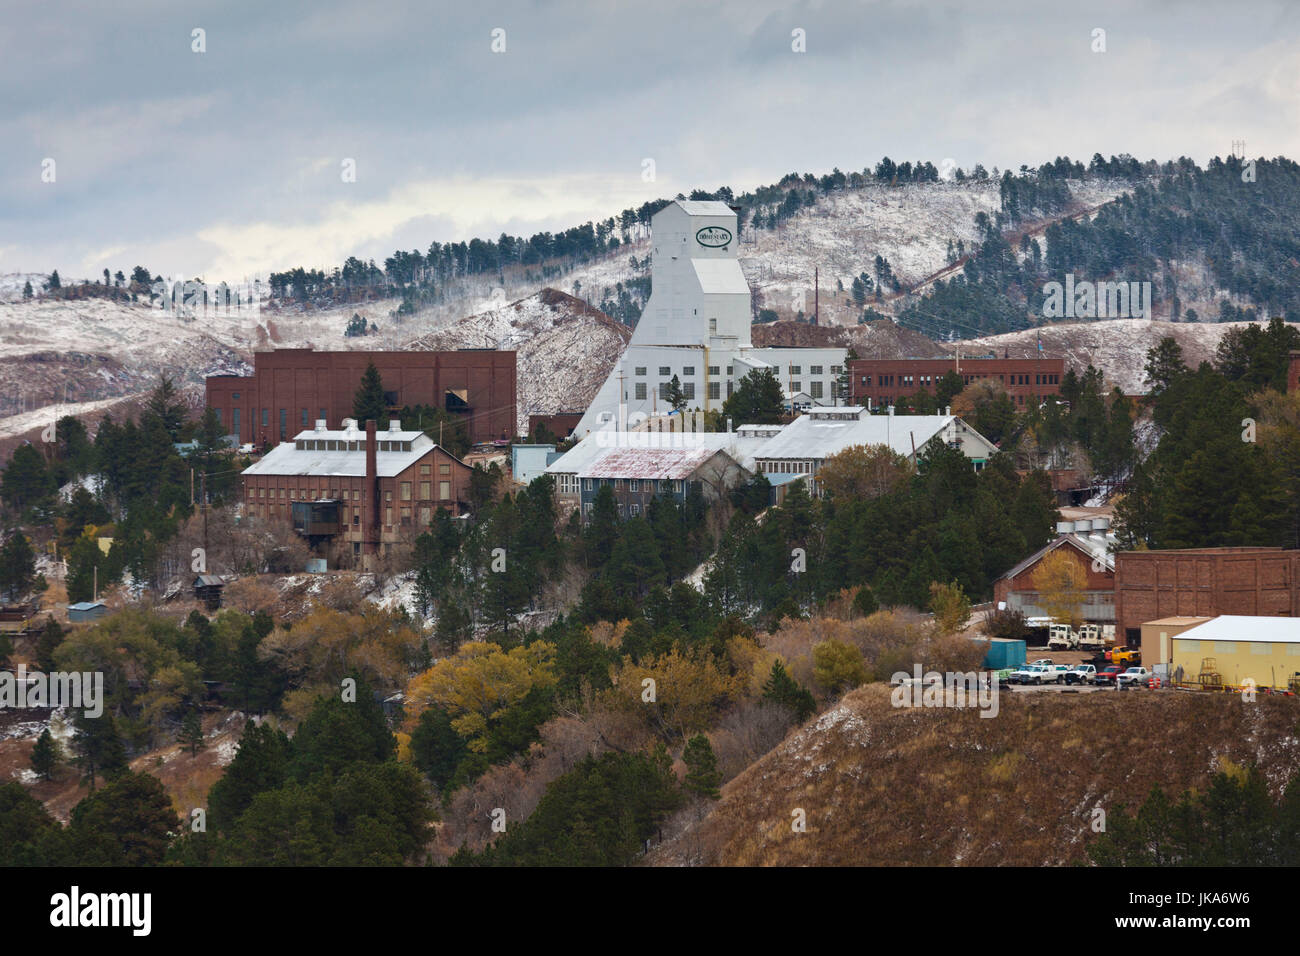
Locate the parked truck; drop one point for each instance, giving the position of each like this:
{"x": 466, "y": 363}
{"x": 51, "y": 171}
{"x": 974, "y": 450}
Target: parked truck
{"x": 1061, "y": 637}
{"x": 1090, "y": 638}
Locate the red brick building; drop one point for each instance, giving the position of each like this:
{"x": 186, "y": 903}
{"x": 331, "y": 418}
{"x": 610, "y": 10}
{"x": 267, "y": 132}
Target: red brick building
{"x": 1016, "y": 587}
{"x": 356, "y": 492}
{"x": 886, "y": 381}
{"x": 291, "y": 388}
{"x": 1293, "y": 372}
{"x": 1203, "y": 582}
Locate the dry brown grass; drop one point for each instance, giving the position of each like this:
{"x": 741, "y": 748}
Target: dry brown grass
{"x": 882, "y": 785}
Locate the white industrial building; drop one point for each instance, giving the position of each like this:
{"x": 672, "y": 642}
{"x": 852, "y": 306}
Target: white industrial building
{"x": 802, "y": 446}
{"x": 696, "y": 327}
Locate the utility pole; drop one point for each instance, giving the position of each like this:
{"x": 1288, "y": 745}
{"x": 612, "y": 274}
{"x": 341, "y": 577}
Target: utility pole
{"x": 203, "y": 490}
{"x": 817, "y": 299}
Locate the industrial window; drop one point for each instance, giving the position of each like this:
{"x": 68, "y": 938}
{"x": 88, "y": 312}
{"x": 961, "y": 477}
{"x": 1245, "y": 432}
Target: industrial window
{"x": 424, "y": 516}
{"x": 665, "y": 370}
{"x": 444, "y": 490}
{"x": 636, "y": 510}
{"x": 444, "y": 469}
{"x": 663, "y": 390}
{"x": 424, "y": 490}
{"x": 713, "y": 370}
{"x": 815, "y": 390}
{"x": 731, "y": 386}
{"x": 266, "y": 417}
{"x": 424, "y": 469}
{"x": 234, "y": 420}
{"x": 815, "y": 370}
{"x": 640, "y": 370}
{"x": 304, "y": 418}
{"x": 639, "y": 391}
{"x": 713, "y": 326}
{"x": 406, "y": 516}
{"x": 323, "y": 417}
{"x": 729, "y": 370}
{"x": 218, "y": 411}
{"x": 406, "y": 491}
{"x": 688, "y": 369}
{"x": 836, "y": 369}
{"x": 284, "y": 422}
{"x": 1261, "y": 648}
{"x": 689, "y": 389}
{"x": 715, "y": 390}
{"x": 388, "y": 516}
{"x": 250, "y": 492}
{"x": 1225, "y": 647}
{"x": 796, "y": 369}
{"x": 388, "y": 496}
{"x": 796, "y": 386}
{"x": 356, "y": 495}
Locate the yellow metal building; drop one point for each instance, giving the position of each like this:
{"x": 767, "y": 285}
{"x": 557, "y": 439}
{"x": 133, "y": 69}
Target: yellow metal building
{"x": 1231, "y": 650}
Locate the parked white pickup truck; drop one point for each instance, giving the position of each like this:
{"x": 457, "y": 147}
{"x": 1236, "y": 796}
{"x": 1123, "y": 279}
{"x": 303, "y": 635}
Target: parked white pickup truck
{"x": 1134, "y": 676}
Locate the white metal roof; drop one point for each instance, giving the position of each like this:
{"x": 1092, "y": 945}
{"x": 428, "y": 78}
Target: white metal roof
{"x": 810, "y": 438}
{"x": 705, "y": 207}
{"x": 287, "y": 460}
{"x": 738, "y": 446}
{"x": 1245, "y": 627}
{"x": 653, "y": 463}
{"x": 720, "y": 276}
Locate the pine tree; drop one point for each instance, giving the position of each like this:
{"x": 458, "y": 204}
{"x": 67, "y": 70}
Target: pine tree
{"x": 51, "y": 637}
{"x": 702, "y": 774}
{"x": 17, "y": 565}
{"x": 192, "y": 731}
{"x": 27, "y": 289}
{"x": 53, "y": 282}
{"x": 784, "y": 689}
{"x": 369, "y": 402}
{"x": 675, "y": 397}
{"x": 98, "y": 747}
{"x": 45, "y": 755}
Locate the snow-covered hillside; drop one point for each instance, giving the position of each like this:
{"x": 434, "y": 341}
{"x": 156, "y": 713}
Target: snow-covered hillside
{"x": 565, "y": 349}
{"x": 1116, "y": 346}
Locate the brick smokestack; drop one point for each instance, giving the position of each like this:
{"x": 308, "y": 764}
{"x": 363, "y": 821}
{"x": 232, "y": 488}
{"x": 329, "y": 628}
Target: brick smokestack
{"x": 372, "y": 490}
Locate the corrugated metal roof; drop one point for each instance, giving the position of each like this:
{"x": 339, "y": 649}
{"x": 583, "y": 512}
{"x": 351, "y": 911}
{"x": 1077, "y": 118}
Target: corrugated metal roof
{"x": 655, "y": 463}
{"x": 1086, "y": 546}
{"x": 1243, "y": 627}
{"x": 740, "y": 447}
{"x": 287, "y": 460}
{"x": 720, "y": 276}
{"x": 808, "y": 438}
{"x": 705, "y": 207}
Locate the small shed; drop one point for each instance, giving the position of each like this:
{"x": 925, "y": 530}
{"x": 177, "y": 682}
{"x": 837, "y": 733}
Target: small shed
{"x": 84, "y": 611}
{"x": 1003, "y": 653}
{"x": 207, "y": 588}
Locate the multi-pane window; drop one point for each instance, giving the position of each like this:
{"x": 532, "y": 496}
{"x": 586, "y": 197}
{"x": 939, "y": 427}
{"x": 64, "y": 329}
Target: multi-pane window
{"x": 815, "y": 370}
{"x": 689, "y": 389}
{"x": 688, "y": 369}
{"x": 444, "y": 490}
{"x": 640, "y": 370}
{"x": 639, "y": 391}
{"x": 796, "y": 369}
{"x": 714, "y": 370}
{"x": 715, "y": 390}
{"x": 665, "y": 370}
{"x": 815, "y": 389}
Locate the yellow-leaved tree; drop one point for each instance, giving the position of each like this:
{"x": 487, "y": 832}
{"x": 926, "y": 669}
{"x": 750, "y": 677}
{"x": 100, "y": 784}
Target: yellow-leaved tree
{"x": 1061, "y": 580}
{"x": 685, "y": 693}
{"x": 478, "y": 683}
{"x": 863, "y": 472}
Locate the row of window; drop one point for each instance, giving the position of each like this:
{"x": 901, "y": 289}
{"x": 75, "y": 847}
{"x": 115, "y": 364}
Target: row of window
{"x": 312, "y": 494}
{"x": 665, "y": 371}
{"x": 334, "y": 444}
{"x": 633, "y": 509}
{"x": 266, "y": 417}
{"x": 404, "y": 515}
{"x": 634, "y": 484}
{"x": 1040, "y": 378}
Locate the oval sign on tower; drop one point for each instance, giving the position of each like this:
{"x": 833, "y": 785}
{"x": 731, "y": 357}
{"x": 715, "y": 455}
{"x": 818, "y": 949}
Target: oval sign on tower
{"x": 713, "y": 237}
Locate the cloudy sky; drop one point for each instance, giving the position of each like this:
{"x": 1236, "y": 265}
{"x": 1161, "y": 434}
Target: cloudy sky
{"x": 230, "y": 162}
